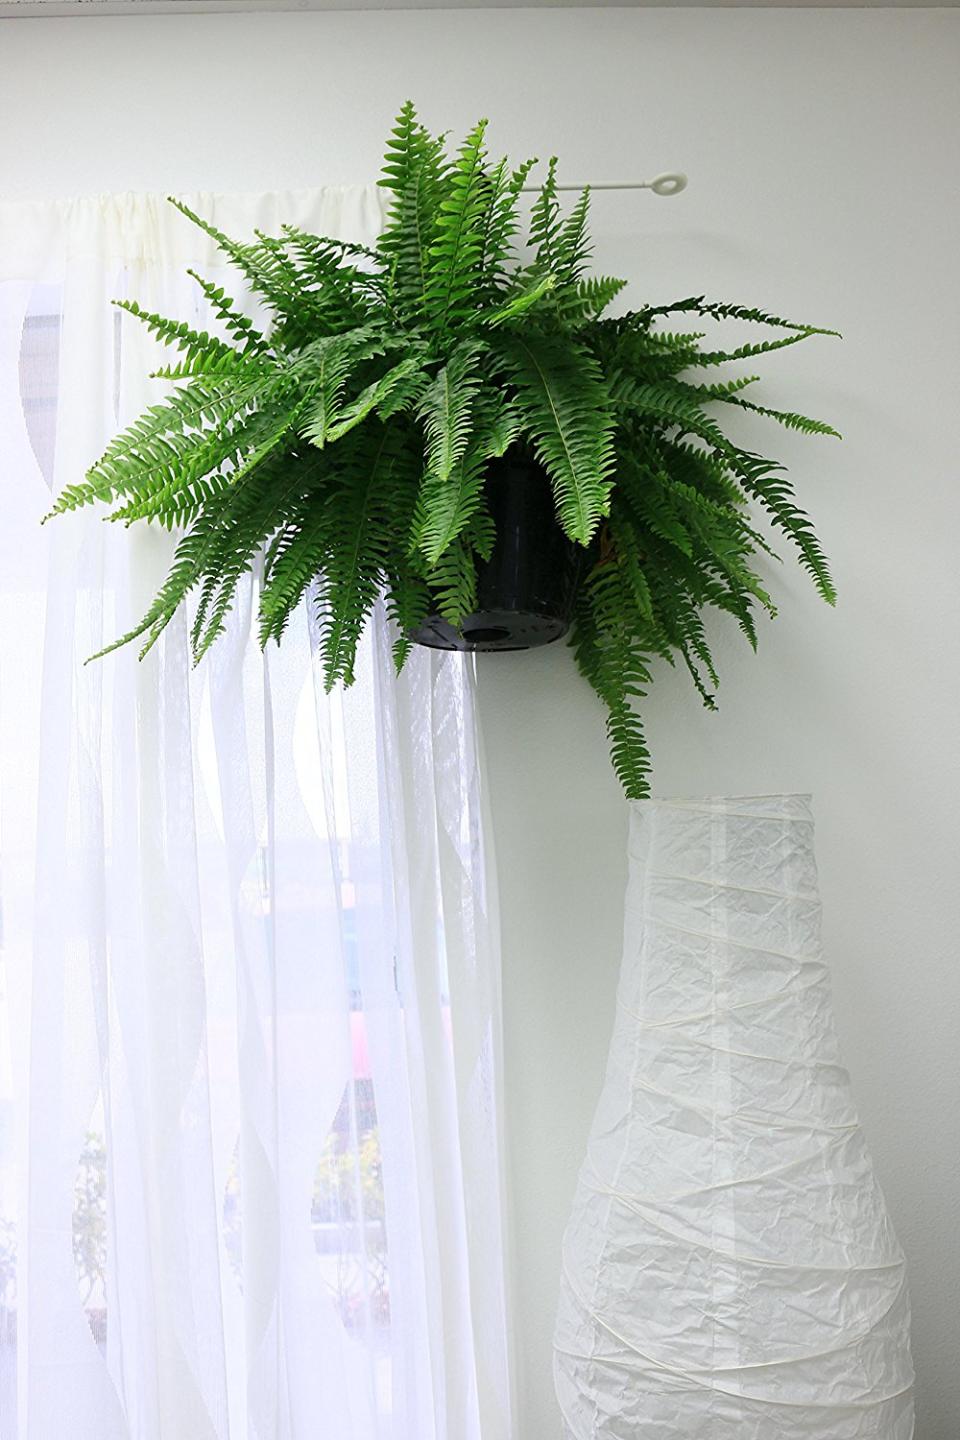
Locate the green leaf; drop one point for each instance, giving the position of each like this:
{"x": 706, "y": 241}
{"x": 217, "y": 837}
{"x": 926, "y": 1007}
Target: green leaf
{"x": 520, "y": 303}
{"x": 238, "y": 325}
{"x": 501, "y": 223}
{"x": 446, "y": 410}
{"x": 453, "y": 582}
{"x": 196, "y": 345}
{"x": 565, "y": 408}
{"x": 544, "y": 219}
{"x": 385, "y": 396}
{"x": 787, "y": 418}
{"x": 767, "y": 482}
{"x": 415, "y": 173}
{"x": 455, "y": 254}
{"x": 324, "y": 368}
{"x": 362, "y": 504}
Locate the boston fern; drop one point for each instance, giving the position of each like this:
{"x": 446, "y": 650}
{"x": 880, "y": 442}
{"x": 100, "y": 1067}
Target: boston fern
{"x": 344, "y": 446}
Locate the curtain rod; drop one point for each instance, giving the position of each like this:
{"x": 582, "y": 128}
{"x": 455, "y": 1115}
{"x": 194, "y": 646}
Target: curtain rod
{"x": 670, "y": 183}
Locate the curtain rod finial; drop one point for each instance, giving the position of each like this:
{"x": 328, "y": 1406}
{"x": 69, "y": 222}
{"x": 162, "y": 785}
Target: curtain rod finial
{"x": 670, "y": 183}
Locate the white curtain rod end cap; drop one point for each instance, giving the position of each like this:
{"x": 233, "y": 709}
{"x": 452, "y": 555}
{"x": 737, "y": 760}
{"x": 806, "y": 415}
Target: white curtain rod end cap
{"x": 669, "y": 184}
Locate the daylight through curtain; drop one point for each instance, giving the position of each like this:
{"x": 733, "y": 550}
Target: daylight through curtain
{"x": 250, "y": 1165}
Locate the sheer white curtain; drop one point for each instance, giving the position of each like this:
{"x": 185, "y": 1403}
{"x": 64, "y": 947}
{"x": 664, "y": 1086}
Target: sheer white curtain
{"x": 250, "y": 1174}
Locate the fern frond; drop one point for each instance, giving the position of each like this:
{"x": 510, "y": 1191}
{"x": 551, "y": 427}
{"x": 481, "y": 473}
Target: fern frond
{"x": 408, "y": 605}
{"x": 702, "y": 359}
{"x": 453, "y": 582}
{"x": 586, "y": 301}
{"x": 452, "y": 478}
{"x": 455, "y": 254}
{"x": 362, "y": 506}
{"x": 523, "y": 301}
{"x": 667, "y": 406}
{"x": 247, "y": 518}
{"x": 497, "y": 423}
{"x": 193, "y": 554}
{"x": 310, "y": 247}
{"x": 294, "y": 561}
{"x": 175, "y": 487}
{"x": 445, "y": 507}
{"x": 157, "y": 442}
{"x": 544, "y": 219}
{"x": 310, "y": 287}
{"x": 225, "y": 367}
{"x": 445, "y": 409}
{"x": 386, "y": 395}
{"x": 720, "y": 389}
{"x": 766, "y": 481}
{"x": 699, "y": 305}
{"x": 196, "y": 345}
{"x": 625, "y": 548}
{"x": 571, "y": 247}
{"x": 610, "y": 654}
{"x": 565, "y": 409}
{"x": 341, "y": 293}
{"x": 501, "y": 223}
{"x": 324, "y": 368}
{"x": 788, "y": 418}
{"x": 414, "y": 171}
{"x": 238, "y": 325}
{"x": 174, "y": 476}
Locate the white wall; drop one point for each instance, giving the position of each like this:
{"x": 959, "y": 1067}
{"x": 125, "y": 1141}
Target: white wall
{"x": 822, "y": 152}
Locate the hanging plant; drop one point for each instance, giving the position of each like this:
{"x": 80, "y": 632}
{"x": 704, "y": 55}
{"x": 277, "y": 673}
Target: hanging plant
{"x": 402, "y": 396}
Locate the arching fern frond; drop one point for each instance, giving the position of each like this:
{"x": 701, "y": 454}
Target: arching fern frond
{"x": 766, "y": 481}
{"x": 699, "y": 305}
{"x": 788, "y": 418}
{"x": 238, "y": 325}
{"x": 564, "y": 408}
{"x": 324, "y": 369}
{"x": 369, "y": 490}
{"x": 195, "y": 345}
{"x": 452, "y": 582}
{"x": 165, "y": 438}
{"x": 445, "y": 410}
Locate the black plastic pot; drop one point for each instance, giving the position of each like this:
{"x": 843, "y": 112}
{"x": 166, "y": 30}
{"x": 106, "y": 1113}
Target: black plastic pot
{"x": 525, "y": 592}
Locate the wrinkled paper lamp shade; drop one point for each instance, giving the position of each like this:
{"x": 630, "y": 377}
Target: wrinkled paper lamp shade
{"x": 729, "y": 1269}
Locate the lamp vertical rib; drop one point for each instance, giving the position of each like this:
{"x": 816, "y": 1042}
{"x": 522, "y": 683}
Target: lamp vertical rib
{"x": 729, "y": 1270}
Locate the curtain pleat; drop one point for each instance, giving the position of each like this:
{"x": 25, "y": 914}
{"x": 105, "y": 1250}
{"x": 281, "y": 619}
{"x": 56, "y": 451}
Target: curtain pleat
{"x": 250, "y": 1096}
